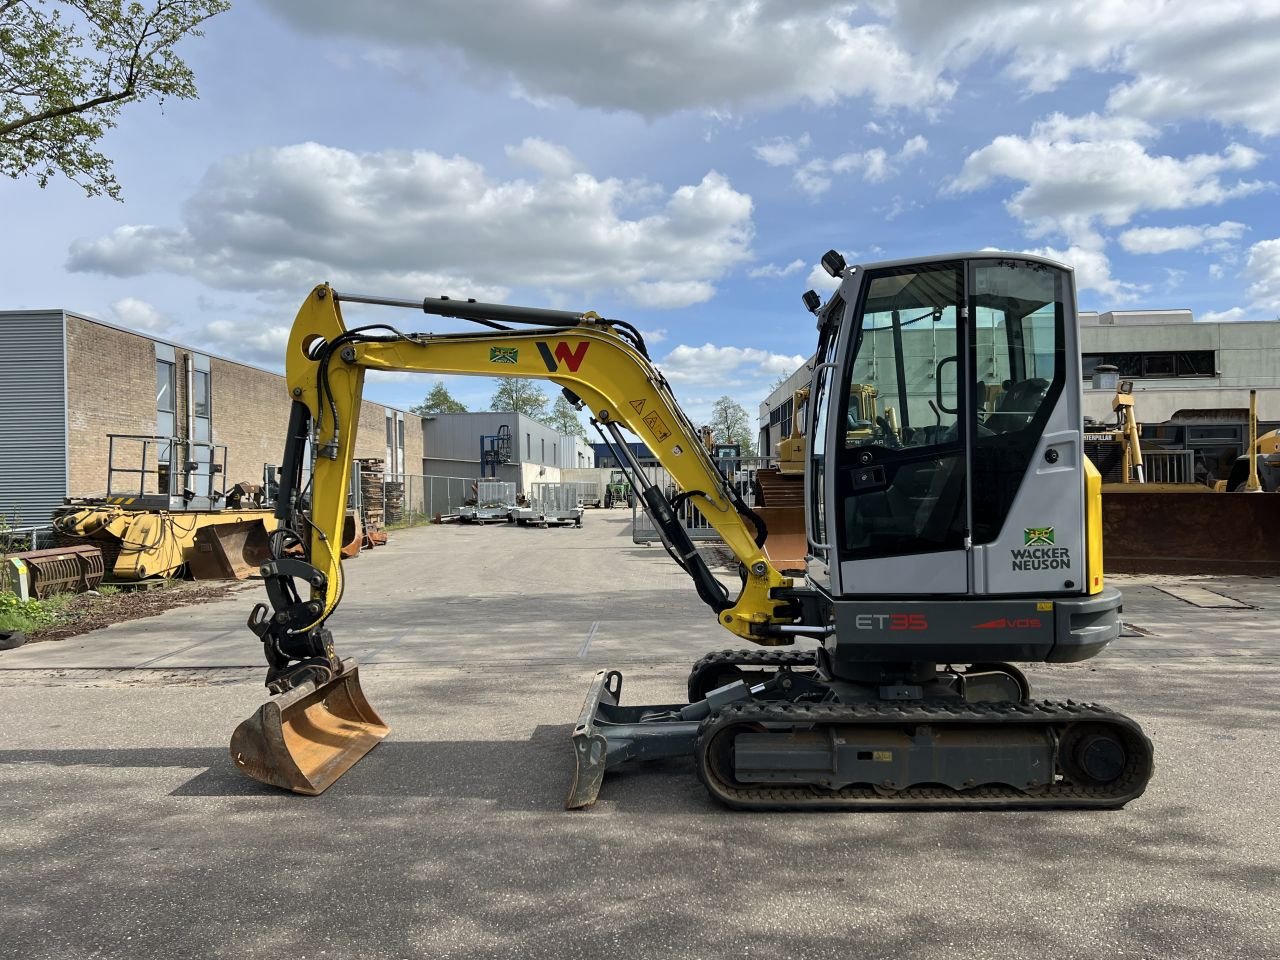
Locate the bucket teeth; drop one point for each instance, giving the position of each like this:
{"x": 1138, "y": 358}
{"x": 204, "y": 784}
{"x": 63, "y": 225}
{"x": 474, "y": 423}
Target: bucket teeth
{"x": 307, "y": 738}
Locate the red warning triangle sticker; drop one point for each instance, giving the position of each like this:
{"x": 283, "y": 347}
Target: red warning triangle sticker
{"x": 637, "y": 405}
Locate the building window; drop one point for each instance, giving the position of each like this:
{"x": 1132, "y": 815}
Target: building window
{"x": 164, "y": 386}
{"x": 544, "y": 449}
{"x": 528, "y": 446}
{"x": 1161, "y": 364}
{"x": 200, "y": 393}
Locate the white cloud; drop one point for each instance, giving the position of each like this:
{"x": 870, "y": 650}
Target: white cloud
{"x": 665, "y": 294}
{"x": 656, "y": 335}
{"x": 1263, "y": 269}
{"x": 549, "y": 158}
{"x": 417, "y": 223}
{"x": 260, "y": 339}
{"x": 1087, "y": 255}
{"x": 782, "y": 151}
{"x": 1182, "y": 58}
{"x": 875, "y": 166}
{"x": 914, "y": 147}
{"x": 652, "y": 57}
{"x": 1076, "y": 169}
{"x": 771, "y": 271}
{"x": 1216, "y": 271}
{"x": 714, "y": 366}
{"x": 820, "y": 280}
{"x": 139, "y": 315}
{"x": 1165, "y": 239}
{"x": 1222, "y": 316}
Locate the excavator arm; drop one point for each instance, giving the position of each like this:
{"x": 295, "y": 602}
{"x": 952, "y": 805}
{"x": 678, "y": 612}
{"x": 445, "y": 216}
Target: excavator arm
{"x": 599, "y": 363}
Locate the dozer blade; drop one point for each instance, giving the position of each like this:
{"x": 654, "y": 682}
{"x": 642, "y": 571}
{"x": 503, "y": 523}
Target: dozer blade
{"x": 306, "y": 739}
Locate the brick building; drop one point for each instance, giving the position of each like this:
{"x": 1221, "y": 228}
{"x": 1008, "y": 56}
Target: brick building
{"x": 67, "y": 381}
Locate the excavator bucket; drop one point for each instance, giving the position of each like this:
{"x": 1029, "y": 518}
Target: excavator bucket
{"x": 787, "y": 544}
{"x": 781, "y": 507}
{"x": 307, "y": 738}
{"x": 229, "y": 551}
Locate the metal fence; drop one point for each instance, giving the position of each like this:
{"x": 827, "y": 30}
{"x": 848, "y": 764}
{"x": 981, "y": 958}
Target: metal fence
{"x": 1169, "y": 466}
{"x": 16, "y": 539}
{"x": 740, "y": 471}
{"x": 411, "y": 500}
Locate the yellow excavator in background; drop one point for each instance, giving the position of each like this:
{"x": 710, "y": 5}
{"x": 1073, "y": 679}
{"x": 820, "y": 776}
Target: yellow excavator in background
{"x": 945, "y": 539}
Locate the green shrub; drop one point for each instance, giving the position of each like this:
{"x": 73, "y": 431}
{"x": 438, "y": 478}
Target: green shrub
{"x": 26, "y": 616}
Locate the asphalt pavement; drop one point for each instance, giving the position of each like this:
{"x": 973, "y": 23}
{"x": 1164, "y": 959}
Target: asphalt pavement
{"x": 125, "y": 830}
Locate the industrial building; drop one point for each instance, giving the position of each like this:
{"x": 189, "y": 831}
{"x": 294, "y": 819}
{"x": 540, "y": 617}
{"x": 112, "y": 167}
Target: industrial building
{"x": 1180, "y": 368}
{"x": 68, "y": 382}
{"x": 521, "y": 450}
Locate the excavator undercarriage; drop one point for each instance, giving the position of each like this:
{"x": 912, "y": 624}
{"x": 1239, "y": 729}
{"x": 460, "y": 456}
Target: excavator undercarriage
{"x": 952, "y": 528}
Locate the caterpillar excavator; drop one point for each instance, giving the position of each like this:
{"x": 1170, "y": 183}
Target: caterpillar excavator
{"x": 954, "y": 532}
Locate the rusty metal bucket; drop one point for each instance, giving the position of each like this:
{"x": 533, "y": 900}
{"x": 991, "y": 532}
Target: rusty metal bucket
{"x": 786, "y": 545}
{"x": 62, "y": 569}
{"x": 229, "y": 551}
{"x": 306, "y": 739}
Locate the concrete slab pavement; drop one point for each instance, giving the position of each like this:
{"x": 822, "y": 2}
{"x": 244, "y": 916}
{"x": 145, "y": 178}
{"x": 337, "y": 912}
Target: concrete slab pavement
{"x": 126, "y": 832}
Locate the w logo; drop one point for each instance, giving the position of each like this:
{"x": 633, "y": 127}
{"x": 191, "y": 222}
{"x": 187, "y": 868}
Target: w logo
{"x": 571, "y": 357}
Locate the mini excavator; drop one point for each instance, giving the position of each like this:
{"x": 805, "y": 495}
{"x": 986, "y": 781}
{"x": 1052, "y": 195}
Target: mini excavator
{"x": 953, "y": 523}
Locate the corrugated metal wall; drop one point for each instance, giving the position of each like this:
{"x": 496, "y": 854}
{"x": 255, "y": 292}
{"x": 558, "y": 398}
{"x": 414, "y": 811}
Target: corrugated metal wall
{"x": 33, "y": 415}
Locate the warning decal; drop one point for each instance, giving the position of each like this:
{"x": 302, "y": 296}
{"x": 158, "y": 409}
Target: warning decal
{"x": 637, "y": 405}
{"x": 654, "y": 423}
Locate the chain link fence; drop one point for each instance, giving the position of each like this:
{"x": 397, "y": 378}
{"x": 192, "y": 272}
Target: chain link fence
{"x": 411, "y": 500}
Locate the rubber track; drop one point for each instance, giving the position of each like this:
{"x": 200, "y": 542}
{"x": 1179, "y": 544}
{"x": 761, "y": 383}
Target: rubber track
{"x": 775, "y": 657}
{"x": 1044, "y": 713}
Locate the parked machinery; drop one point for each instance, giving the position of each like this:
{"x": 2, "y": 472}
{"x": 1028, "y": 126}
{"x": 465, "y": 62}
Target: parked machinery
{"x": 947, "y": 538}
{"x": 164, "y": 500}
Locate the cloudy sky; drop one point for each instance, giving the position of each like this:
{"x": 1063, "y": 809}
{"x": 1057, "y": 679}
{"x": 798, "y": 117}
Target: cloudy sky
{"x": 681, "y": 164}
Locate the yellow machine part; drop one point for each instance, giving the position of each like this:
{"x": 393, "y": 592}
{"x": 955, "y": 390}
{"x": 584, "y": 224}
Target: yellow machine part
{"x": 307, "y": 738}
{"x": 152, "y": 543}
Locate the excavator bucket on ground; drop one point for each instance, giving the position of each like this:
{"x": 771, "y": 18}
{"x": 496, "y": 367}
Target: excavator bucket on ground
{"x": 307, "y": 738}
{"x": 229, "y": 551}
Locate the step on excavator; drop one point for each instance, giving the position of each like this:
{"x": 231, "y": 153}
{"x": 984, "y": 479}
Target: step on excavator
{"x": 954, "y": 532}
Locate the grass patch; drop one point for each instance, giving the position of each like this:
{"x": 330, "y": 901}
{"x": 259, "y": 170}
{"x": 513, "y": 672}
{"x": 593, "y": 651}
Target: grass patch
{"x": 28, "y": 616}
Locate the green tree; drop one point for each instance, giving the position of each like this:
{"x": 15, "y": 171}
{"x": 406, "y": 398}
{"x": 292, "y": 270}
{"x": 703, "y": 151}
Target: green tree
{"x": 730, "y": 424}
{"x": 565, "y": 418}
{"x": 67, "y": 67}
{"x": 439, "y": 400}
{"x": 517, "y": 395}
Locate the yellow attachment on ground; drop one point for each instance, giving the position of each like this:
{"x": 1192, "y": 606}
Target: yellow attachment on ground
{"x": 306, "y": 739}
{"x": 151, "y": 543}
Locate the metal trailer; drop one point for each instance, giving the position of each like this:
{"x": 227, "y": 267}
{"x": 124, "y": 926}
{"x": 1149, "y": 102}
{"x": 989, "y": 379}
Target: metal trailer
{"x": 593, "y": 481}
{"x": 495, "y": 503}
{"x": 559, "y": 503}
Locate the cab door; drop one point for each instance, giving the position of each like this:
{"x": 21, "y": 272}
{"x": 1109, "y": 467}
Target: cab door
{"x": 891, "y": 482}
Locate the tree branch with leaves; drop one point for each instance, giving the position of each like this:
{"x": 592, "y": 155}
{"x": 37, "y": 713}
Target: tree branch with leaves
{"x": 517, "y": 395}
{"x": 439, "y": 400}
{"x": 68, "y": 67}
